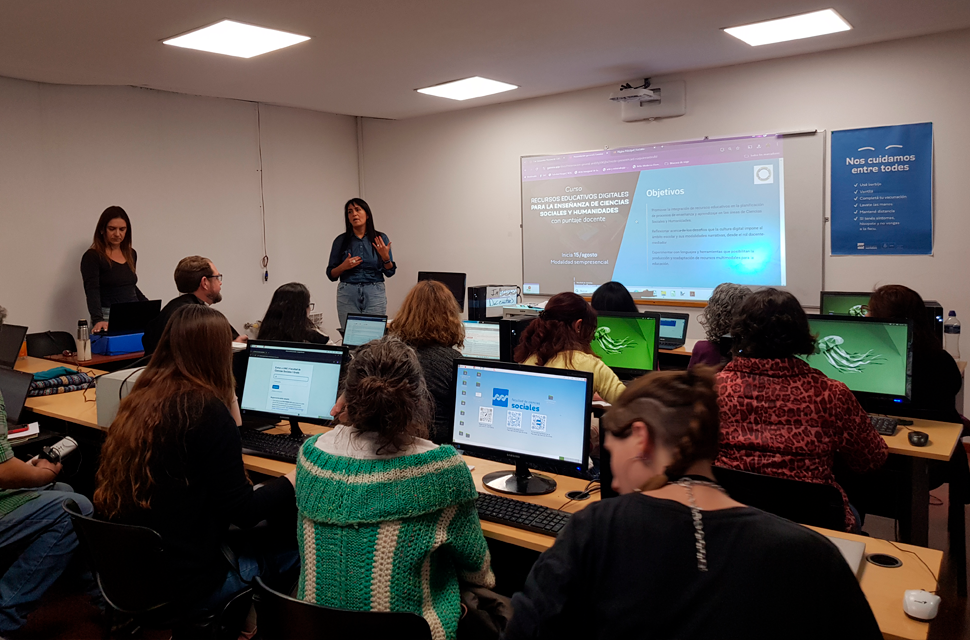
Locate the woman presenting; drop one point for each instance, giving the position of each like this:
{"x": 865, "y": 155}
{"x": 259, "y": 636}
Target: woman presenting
{"x": 360, "y": 258}
{"x": 108, "y": 267}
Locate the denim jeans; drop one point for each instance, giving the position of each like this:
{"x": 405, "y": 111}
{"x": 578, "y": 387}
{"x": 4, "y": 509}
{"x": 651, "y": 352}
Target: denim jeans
{"x": 270, "y": 565}
{"x": 364, "y": 297}
{"x": 45, "y": 528}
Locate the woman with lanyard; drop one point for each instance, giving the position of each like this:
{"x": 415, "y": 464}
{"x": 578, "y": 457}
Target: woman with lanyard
{"x": 360, "y": 258}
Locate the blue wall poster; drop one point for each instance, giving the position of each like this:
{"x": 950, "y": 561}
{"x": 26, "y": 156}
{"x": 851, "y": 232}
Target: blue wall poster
{"x": 882, "y": 190}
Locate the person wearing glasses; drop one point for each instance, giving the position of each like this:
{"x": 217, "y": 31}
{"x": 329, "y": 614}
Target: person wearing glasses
{"x": 199, "y": 282}
{"x": 287, "y": 318}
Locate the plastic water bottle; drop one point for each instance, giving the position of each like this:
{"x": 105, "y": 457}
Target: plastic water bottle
{"x": 951, "y": 335}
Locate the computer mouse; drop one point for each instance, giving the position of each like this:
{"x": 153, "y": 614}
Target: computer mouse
{"x": 920, "y": 604}
{"x": 918, "y": 438}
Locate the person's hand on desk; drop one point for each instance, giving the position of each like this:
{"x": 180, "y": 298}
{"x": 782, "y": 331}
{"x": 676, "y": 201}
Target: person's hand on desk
{"x": 99, "y": 327}
{"x": 241, "y": 338}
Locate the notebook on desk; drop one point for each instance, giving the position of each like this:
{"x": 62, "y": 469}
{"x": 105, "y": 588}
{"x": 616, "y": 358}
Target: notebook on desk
{"x": 853, "y": 551}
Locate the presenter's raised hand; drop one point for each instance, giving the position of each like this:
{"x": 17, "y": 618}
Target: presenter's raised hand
{"x": 350, "y": 263}
{"x": 384, "y": 250}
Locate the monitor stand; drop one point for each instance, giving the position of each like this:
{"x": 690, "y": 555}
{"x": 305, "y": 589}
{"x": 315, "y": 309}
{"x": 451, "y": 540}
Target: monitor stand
{"x": 520, "y": 482}
{"x": 295, "y": 430}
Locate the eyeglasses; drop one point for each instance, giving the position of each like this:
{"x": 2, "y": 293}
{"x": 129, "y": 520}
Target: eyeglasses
{"x": 311, "y": 306}
{"x": 218, "y": 277}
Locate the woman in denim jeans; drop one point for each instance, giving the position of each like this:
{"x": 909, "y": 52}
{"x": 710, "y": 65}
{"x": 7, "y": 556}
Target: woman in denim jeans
{"x": 361, "y": 258}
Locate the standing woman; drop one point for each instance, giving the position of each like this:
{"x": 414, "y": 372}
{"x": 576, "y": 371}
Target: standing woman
{"x": 108, "y": 267}
{"x": 360, "y": 258}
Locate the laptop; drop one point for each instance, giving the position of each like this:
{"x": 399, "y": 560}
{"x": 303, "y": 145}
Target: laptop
{"x": 14, "y": 386}
{"x": 853, "y": 551}
{"x": 11, "y": 339}
{"x": 627, "y": 342}
{"x": 361, "y": 328}
{"x": 127, "y": 318}
{"x": 673, "y": 330}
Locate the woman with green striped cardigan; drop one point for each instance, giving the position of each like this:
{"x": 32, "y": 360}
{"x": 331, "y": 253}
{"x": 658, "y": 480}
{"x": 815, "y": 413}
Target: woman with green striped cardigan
{"x": 387, "y": 518}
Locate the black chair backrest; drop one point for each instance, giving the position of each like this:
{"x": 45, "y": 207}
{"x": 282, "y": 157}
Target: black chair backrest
{"x": 819, "y": 505}
{"x": 49, "y": 343}
{"x": 131, "y": 562}
{"x": 282, "y": 617}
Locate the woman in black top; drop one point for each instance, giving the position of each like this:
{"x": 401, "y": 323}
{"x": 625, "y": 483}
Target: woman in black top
{"x": 676, "y": 557}
{"x": 613, "y": 296}
{"x": 172, "y": 461}
{"x": 108, "y": 267}
{"x": 287, "y": 317}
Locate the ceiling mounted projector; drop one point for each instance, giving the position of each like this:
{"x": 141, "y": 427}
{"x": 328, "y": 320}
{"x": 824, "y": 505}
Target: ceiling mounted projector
{"x": 634, "y": 95}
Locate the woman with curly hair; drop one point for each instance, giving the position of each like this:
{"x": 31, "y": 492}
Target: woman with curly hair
{"x": 779, "y": 416}
{"x": 716, "y": 320}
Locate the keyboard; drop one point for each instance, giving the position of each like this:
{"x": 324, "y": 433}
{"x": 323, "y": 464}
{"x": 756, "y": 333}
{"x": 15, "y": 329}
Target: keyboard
{"x": 270, "y": 445}
{"x": 885, "y": 426}
{"x": 521, "y": 515}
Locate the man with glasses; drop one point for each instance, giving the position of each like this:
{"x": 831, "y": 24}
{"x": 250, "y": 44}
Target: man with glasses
{"x": 199, "y": 282}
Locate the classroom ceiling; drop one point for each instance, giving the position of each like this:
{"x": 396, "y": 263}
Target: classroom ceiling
{"x": 366, "y": 57}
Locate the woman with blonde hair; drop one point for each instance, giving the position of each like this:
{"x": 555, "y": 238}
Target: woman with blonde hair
{"x": 429, "y": 322}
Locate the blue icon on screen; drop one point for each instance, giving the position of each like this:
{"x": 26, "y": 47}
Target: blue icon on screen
{"x": 276, "y": 386}
{"x": 500, "y": 397}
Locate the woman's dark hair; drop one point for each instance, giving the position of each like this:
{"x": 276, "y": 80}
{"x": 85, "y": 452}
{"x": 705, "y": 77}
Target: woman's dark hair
{"x": 686, "y": 421}
{"x": 552, "y": 332}
{"x": 370, "y": 231}
{"x": 771, "y": 324}
{"x": 286, "y": 318}
{"x": 613, "y": 296}
{"x": 894, "y": 301}
{"x": 100, "y": 243}
{"x": 386, "y": 394}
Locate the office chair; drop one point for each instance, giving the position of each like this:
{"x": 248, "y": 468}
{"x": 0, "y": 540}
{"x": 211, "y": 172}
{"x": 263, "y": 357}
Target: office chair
{"x": 49, "y": 343}
{"x": 819, "y": 505}
{"x": 133, "y": 572}
{"x": 281, "y": 616}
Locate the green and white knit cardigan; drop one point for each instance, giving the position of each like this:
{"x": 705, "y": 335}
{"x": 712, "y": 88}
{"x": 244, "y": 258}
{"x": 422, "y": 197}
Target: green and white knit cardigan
{"x": 390, "y": 535}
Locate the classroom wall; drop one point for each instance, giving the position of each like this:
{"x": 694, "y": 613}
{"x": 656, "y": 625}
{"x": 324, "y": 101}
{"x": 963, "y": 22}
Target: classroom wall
{"x": 446, "y": 187}
{"x": 185, "y": 168}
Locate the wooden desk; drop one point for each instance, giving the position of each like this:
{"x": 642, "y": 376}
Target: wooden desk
{"x": 681, "y": 351}
{"x": 98, "y": 360}
{"x": 70, "y": 407}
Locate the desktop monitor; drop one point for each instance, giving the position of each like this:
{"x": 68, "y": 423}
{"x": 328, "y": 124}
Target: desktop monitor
{"x": 361, "y": 328}
{"x": 673, "y": 329}
{"x": 482, "y": 340}
{"x": 872, "y": 357}
{"x": 844, "y": 303}
{"x": 627, "y": 342}
{"x": 454, "y": 281}
{"x": 14, "y": 386}
{"x": 11, "y": 339}
{"x": 529, "y": 417}
{"x": 294, "y": 380}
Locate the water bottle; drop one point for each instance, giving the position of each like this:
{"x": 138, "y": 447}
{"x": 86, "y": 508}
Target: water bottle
{"x": 83, "y": 341}
{"x": 951, "y": 335}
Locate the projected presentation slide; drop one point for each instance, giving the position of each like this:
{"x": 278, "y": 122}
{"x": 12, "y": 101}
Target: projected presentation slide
{"x": 870, "y": 357}
{"x": 481, "y": 340}
{"x": 625, "y": 342}
{"x": 290, "y": 381}
{"x": 669, "y": 221}
{"x": 840, "y": 304}
{"x": 529, "y": 413}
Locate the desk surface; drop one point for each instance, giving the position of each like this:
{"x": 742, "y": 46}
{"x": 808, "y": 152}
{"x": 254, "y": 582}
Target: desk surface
{"x": 944, "y": 437}
{"x": 682, "y": 351}
{"x": 98, "y": 359}
{"x": 72, "y": 407}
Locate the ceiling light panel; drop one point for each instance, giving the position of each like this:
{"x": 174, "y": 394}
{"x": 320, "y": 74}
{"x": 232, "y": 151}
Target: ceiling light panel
{"x": 236, "y": 39}
{"x": 475, "y": 87}
{"x": 807, "y": 25}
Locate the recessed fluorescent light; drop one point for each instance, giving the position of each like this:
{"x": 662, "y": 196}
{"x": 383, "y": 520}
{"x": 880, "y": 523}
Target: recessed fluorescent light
{"x": 468, "y": 88}
{"x": 807, "y": 25}
{"x": 236, "y": 39}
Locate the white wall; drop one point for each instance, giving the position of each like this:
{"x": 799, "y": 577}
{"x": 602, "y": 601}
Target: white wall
{"x": 185, "y": 170}
{"x": 446, "y": 187}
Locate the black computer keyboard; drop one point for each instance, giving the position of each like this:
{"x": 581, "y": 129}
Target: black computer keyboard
{"x": 270, "y": 445}
{"x": 522, "y": 515}
{"x": 885, "y": 426}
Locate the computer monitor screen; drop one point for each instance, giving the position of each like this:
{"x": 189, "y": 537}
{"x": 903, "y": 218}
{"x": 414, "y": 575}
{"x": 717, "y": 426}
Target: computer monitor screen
{"x": 292, "y": 379}
{"x": 454, "y": 281}
{"x": 627, "y": 342}
{"x": 872, "y": 357}
{"x": 362, "y": 328}
{"x": 481, "y": 340}
{"x": 844, "y": 303}
{"x": 14, "y": 386}
{"x": 529, "y": 416}
{"x": 673, "y": 328}
{"x": 11, "y": 339}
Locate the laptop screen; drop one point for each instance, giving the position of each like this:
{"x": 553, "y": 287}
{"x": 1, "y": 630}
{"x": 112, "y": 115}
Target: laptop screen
{"x": 14, "y": 386}
{"x": 482, "y": 340}
{"x": 11, "y": 339}
{"x": 672, "y": 328}
{"x": 361, "y": 329}
{"x": 294, "y": 380}
{"x": 627, "y": 343}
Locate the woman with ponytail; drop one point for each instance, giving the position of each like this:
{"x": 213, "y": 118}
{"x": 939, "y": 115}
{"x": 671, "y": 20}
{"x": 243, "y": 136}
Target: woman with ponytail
{"x": 674, "y": 556}
{"x": 560, "y": 338}
{"x": 387, "y": 518}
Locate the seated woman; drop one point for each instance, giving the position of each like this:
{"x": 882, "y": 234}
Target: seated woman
{"x": 172, "y": 461}
{"x": 287, "y": 318}
{"x": 716, "y": 320}
{"x": 613, "y": 296}
{"x": 674, "y": 556}
{"x": 387, "y": 519}
{"x": 429, "y": 322}
{"x": 560, "y": 338}
{"x": 779, "y": 416}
